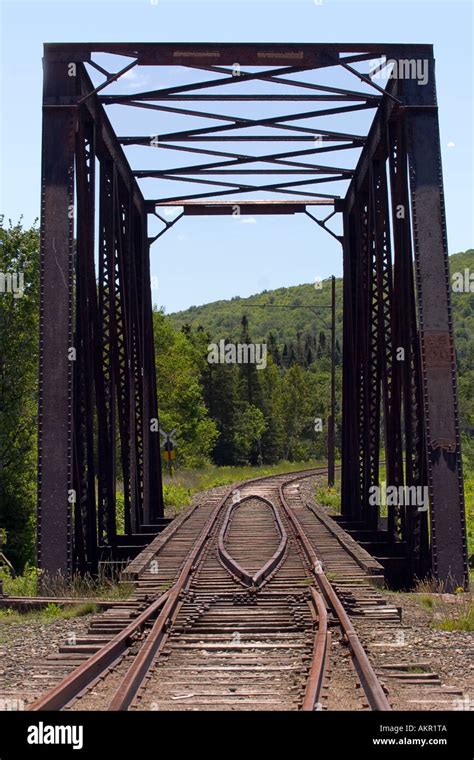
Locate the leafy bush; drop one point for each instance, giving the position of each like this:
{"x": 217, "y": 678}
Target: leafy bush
{"x": 329, "y": 497}
{"x": 25, "y": 584}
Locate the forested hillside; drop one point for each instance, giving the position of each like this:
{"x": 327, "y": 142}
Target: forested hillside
{"x": 294, "y": 322}
{"x": 284, "y": 312}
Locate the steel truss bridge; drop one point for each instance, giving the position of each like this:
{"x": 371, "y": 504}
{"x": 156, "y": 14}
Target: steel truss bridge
{"x": 100, "y": 190}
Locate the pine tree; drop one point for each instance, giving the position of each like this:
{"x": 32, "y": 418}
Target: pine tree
{"x": 248, "y": 372}
{"x": 273, "y": 349}
{"x": 322, "y": 343}
{"x": 273, "y": 438}
{"x": 222, "y": 397}
{"x": 292, "y": 358}
{"x": 299, "y": 349}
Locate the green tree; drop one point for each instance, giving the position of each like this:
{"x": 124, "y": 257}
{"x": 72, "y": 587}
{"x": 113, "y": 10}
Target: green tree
{"x": 19, "y": 314}
{"x": 273, "y": 438}
{"x": 179, "y": 362}
{"x": 250, "y": 390}
{"x": 297, "y": 412}
{"x": 249, "y": 429}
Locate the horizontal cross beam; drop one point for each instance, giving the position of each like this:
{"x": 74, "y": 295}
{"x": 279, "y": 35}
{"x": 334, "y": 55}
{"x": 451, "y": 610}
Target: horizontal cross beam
{"x": 236, "y": 207}
{"x": 246, "y": 54}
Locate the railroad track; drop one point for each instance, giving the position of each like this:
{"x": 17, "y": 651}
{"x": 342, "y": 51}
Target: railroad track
{"x": 233, "y": 612}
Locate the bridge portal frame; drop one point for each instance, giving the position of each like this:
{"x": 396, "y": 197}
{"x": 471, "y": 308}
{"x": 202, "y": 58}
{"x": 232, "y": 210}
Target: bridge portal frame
{"x": 97, "y": 369}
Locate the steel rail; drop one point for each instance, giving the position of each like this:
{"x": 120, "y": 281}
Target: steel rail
{"x": 82, "y": 676}
{"x": 318, "y": 668}
{"x": 111, "y": 653}
{"x": 135, "y": 675}
{"x": 369, "y": 681}
{"x": 57, "y": 697}
{"x": 232, "y": 565}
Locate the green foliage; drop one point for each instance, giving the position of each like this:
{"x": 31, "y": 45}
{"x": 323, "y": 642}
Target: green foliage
{"x": 179, "y": 361}
{"x": 119, "y": 508}
{"x": 469, "y": 496}
{"x": 179, "y": 491}
{"x": 329, "y": 497}
{"x": 283, "y": 313}
{"x": 48, "y": 614}
{"x": 79, "y": 610}
{"x": 468, "y": 463}
{"x": 283, "y": 400}
{"x": 176, "y": 496}
{"x": 79, "y": 586}
{"x": 249, "y": 430}
{"x": 426, "y": 601}
{"x": 463, "y": 621}
{"x": 18, "y": 390}
{"x": 234, "y": 416}
{"x": 463, "y": 317}
{"x": 25, "y": 584}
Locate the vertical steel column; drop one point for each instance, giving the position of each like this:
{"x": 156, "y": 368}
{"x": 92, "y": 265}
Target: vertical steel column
{"x": 85, "y": 364}
{"x": 407, "y": 372}
{"x": 375, "y": 336}
{"x": 332, "y": 416}
{"x": 157, "y": 507}
{"x": 106, "y": 414}
{"x": 350, "y": 501}
{"x": 55, "y": 497}
{"x": 122, "y": 343}
{"x": 135, "y": 365}
{"x": 445, "y": 479}
{"x": 388, "y": 375}
{"x": 153, "y": 507}
{"x": 364, "y": 348}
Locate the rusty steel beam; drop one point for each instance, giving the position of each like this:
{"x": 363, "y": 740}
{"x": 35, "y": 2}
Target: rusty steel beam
{"x": 239, "y": 98}
{"x": 85, "y": 363}
{"x": 332, "y": 415}
{"x": 438, "y": 362}
{"x": 106, "y": 422}
{"x": 350, "y": 486}
{"x": 93, "y": 367}
{"x": 406, "y": 380}
{"x": 243, "y": 208}
{"x": 305, "y": 54}
{"x": 55, "y": 484}
{"x": 431, "y": 432}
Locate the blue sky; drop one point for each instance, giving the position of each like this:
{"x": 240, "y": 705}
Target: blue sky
{"x": 201, "y": 260}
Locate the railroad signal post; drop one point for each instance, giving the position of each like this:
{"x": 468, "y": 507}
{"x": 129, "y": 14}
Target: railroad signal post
{"x": 169, "y": 449}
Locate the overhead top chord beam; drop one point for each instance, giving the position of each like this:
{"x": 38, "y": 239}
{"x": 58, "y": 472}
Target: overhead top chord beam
{"x": 251, "y": 54}
{"x": 221, "y": 208}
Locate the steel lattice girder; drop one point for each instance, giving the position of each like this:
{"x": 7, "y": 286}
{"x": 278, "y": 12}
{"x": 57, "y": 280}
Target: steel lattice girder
{"x": 108, "y": 382}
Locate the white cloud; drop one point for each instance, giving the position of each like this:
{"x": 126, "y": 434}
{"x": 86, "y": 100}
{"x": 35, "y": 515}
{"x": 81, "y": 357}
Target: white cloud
{"x": 133, "y": 80}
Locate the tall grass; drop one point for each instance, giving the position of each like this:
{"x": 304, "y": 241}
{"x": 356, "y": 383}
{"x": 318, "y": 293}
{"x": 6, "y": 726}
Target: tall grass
{"x": 179, "y": 490}
{"x": 448, "y": 612}
{"x": 48, "y": 614}
{"x": 32, "y": 583}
